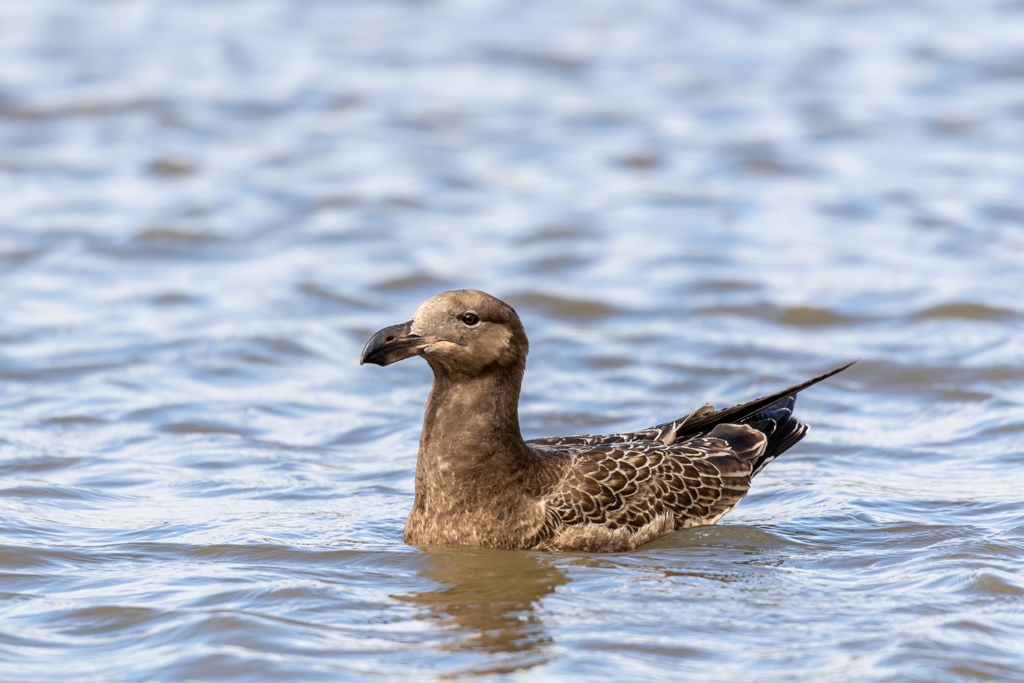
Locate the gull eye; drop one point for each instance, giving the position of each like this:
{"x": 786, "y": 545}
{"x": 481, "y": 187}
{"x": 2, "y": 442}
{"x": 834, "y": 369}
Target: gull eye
{"x": 470, "y": 318}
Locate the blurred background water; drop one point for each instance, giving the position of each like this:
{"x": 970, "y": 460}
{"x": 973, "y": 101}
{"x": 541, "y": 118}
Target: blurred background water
{"x": 208, "y": 206}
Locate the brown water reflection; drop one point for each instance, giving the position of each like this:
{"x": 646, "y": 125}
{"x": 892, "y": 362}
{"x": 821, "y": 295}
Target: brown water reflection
{"x": 492, "y": 598}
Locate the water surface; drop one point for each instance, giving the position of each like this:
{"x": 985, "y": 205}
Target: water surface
{"x": 209, "y": 206}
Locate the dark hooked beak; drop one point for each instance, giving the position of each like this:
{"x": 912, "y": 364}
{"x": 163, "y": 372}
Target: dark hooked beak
{"x": 392, "y": 344}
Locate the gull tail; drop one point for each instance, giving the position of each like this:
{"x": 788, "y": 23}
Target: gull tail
{"x": 782, "y": 429}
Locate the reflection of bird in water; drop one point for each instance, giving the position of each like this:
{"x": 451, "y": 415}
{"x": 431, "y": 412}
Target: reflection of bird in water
{"x": 479, "y": 484}
{"x": 493, "y": 596}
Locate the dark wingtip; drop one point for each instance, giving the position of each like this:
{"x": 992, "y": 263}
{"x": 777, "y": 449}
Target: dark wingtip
{"x": 744, "y": 410}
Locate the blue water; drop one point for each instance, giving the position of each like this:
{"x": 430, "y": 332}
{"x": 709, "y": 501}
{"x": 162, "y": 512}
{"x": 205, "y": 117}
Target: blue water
{"x": 208, "y": 207}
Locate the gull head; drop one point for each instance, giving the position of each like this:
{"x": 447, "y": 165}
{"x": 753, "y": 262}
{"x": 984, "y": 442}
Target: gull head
{"x": 464, "y": 332}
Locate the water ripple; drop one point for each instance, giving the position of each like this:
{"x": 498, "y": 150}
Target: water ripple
{"x": 209, "y": 207}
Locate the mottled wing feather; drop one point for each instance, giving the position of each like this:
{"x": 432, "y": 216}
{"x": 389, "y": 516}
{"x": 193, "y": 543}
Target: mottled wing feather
{"x": 620, "y": 490}
{"x": 618, "y": 484}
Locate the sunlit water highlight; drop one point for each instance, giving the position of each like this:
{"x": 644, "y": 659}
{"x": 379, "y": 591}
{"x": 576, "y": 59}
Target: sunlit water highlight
{"x": 209, "y": 206}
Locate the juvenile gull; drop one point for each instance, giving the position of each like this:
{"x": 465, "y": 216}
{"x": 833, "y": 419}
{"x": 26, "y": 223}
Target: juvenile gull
{"x": 478, "y": 483}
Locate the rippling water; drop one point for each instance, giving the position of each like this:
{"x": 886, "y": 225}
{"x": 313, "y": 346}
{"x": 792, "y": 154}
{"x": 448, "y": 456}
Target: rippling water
{"x": 209, "y": 206}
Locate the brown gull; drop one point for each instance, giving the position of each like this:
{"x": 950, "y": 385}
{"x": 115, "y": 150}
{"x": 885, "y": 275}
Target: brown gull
{"x": 478, "y": 483}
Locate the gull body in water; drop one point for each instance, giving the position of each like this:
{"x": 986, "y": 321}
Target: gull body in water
{"x": 478, "y": 483}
